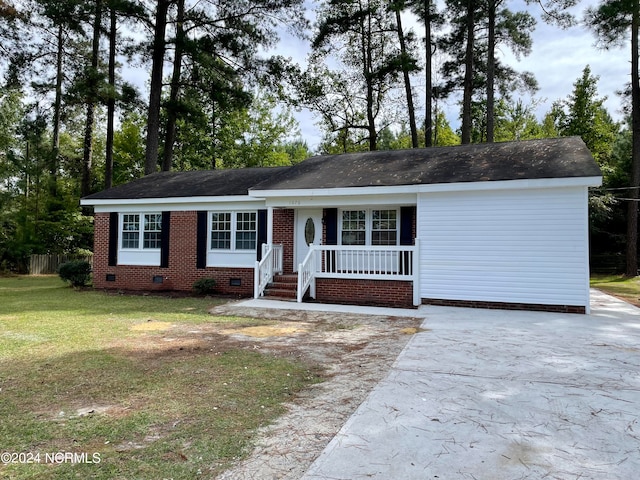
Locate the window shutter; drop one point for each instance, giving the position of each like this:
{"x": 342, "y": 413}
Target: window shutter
{"x": 262, "y": 233}
{"x": 164, "y": 239}
{"x": 113, "y": 238}
{"x": 331, "y": 225}
{"x": 407, "y": 215}
{"x": 201, "y": 246}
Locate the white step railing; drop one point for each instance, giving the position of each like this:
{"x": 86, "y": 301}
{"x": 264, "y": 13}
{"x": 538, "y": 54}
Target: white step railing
{"x": 307, "y": 271}
{"x": 266, "y": 268}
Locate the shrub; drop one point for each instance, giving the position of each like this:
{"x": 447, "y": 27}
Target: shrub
{"x": 204, "y": 286}
{"x": 76, "y": 272}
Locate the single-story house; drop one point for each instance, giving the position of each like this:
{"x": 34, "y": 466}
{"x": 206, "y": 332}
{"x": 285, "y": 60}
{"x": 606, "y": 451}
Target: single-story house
{"x": 502, "y": 225}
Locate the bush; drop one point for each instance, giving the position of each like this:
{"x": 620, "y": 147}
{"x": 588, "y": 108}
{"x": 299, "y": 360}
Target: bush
{"x": 204, "y": 286}
{"x": 76, "y": 272}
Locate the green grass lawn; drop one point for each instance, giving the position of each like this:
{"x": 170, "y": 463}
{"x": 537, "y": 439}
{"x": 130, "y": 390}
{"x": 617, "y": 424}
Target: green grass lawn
{"x": 76, "y": 376}
{"x": 620, "y": 286}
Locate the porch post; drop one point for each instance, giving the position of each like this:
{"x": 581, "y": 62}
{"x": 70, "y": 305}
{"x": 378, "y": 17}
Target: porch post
{"x": 269, "y": 225}
{"x": 416, "y": 274}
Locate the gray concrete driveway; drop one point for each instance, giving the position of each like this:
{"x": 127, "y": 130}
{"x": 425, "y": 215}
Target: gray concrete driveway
{"x": 488, "y": 394}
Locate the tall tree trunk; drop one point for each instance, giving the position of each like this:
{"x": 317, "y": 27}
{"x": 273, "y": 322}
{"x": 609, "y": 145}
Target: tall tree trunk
{"x": 407, "y": 81}
{"x": 632, "y": 206}
{"x": 57, "y": 108}
{"x": 111, "y": 102}
{"x": 491, "y": 67}
{"x": 87, "y": 157}
{"x": 170, "y": 134}
{"x": 367, "y": 73}
{"x": 428, "y": 115}
{"x": 155, "y": 89}
{"x": 468, "y": 76}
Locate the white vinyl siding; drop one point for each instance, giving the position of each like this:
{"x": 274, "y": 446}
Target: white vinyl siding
{"x": 516, "y": 246}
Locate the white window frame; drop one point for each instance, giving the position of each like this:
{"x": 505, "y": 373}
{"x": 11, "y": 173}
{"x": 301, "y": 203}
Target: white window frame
{"x": 137, "y": 255}
{"x": 368, "y": 223}
{"x": 141, "y": 232}
{"x": 234, "y": 231}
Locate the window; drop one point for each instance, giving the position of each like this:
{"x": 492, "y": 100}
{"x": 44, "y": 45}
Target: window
{"x": 384, "y": 229}
{"x": 370, "y": 227}
{"x": 221, "y": 231}
{"x": 149, "y": 230}
{"x": 152, "y": 230}
{"x": 354, "y": 227}
{"x": 130, "y": 231}
{"x": 239, "y": 234}
{"x": 246, "y": 231}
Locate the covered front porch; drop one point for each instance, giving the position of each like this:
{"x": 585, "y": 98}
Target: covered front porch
{"x": 305, "y": 256}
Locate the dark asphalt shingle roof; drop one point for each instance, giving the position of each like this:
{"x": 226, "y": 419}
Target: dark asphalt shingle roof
{"x": 200, "y": 183}
{"x": 530, "y": 159}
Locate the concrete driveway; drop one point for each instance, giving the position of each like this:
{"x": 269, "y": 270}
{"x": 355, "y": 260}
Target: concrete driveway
{"x": 492, "y": 394}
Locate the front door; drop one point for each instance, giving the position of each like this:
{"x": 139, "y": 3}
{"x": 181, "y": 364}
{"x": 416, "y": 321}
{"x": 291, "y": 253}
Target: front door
{"x": 308, "y": 230}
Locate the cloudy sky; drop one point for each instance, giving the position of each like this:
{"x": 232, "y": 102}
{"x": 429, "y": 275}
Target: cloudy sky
{"x": 557, "y": 60}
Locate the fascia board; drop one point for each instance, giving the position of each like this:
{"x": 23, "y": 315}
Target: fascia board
{"x": 513, "y": 184}
{"x": 271, "y": 195}
{"x": 175, "y": 204}
{"x": 343, "y": 200}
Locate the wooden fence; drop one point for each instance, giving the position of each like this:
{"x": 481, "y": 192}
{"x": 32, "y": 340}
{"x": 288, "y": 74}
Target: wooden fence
{"x": 45, "y": 264}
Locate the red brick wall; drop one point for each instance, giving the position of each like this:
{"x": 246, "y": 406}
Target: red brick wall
{"x": 182, "y": 271}
{"x": 505, "y": 306}
{"x": 365, "y": 292}
{"x": 283, "y": 225}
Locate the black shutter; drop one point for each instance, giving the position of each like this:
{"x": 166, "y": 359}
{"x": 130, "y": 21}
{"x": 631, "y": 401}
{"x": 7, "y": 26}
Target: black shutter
{"x": 407, "y": 215}
{"x": 331, "y": 225}
{"x": 262, "y": 232}
{"x": 201, "y": 246}
{"x": 164, "y": 239}
{"x": 113, "y": 238}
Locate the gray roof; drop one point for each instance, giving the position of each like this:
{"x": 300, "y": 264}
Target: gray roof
{"x": 200, "y": 183}
{"x": 529, "y": 159}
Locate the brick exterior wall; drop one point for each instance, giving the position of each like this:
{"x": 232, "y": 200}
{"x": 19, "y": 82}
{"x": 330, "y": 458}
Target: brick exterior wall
{"x": 505, "y": 306}
{"x": 283, "y": 226}
{"x": 365, "y": 292}
{"x": 181, "y": 272}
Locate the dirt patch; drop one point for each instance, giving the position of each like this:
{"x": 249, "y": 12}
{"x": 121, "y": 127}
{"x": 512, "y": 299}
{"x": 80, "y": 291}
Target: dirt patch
{"x": 355, "y": 353}
{"x": 266, "y": 331}
{"x": 151, "y": 326}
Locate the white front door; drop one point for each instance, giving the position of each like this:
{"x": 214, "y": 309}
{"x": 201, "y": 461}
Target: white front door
{"x": 308, "y": 230}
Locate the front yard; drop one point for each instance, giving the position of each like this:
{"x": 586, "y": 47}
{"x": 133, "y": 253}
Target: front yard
{"x": 93, "y": 386}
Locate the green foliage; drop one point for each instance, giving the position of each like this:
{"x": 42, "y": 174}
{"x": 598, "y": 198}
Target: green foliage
{"x": 128, "y": 149}
{"x": 443, "y": 134}
{"x": 516, "y": 122}
{"x": 204, "y": 286}
{"x": 76, "y": 272}
{"x": 583, "y": 114}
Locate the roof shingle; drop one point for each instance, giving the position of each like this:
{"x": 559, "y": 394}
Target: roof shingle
{"x": 530, "y": 159}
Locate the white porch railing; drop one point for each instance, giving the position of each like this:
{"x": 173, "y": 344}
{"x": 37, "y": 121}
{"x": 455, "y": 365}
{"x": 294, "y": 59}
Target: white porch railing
{"x": 266, "y": 268}
{"x": 398, "y": 262}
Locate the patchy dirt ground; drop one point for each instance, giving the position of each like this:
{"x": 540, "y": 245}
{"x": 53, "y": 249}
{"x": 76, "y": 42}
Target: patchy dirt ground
{"x": 355, "y": 352}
